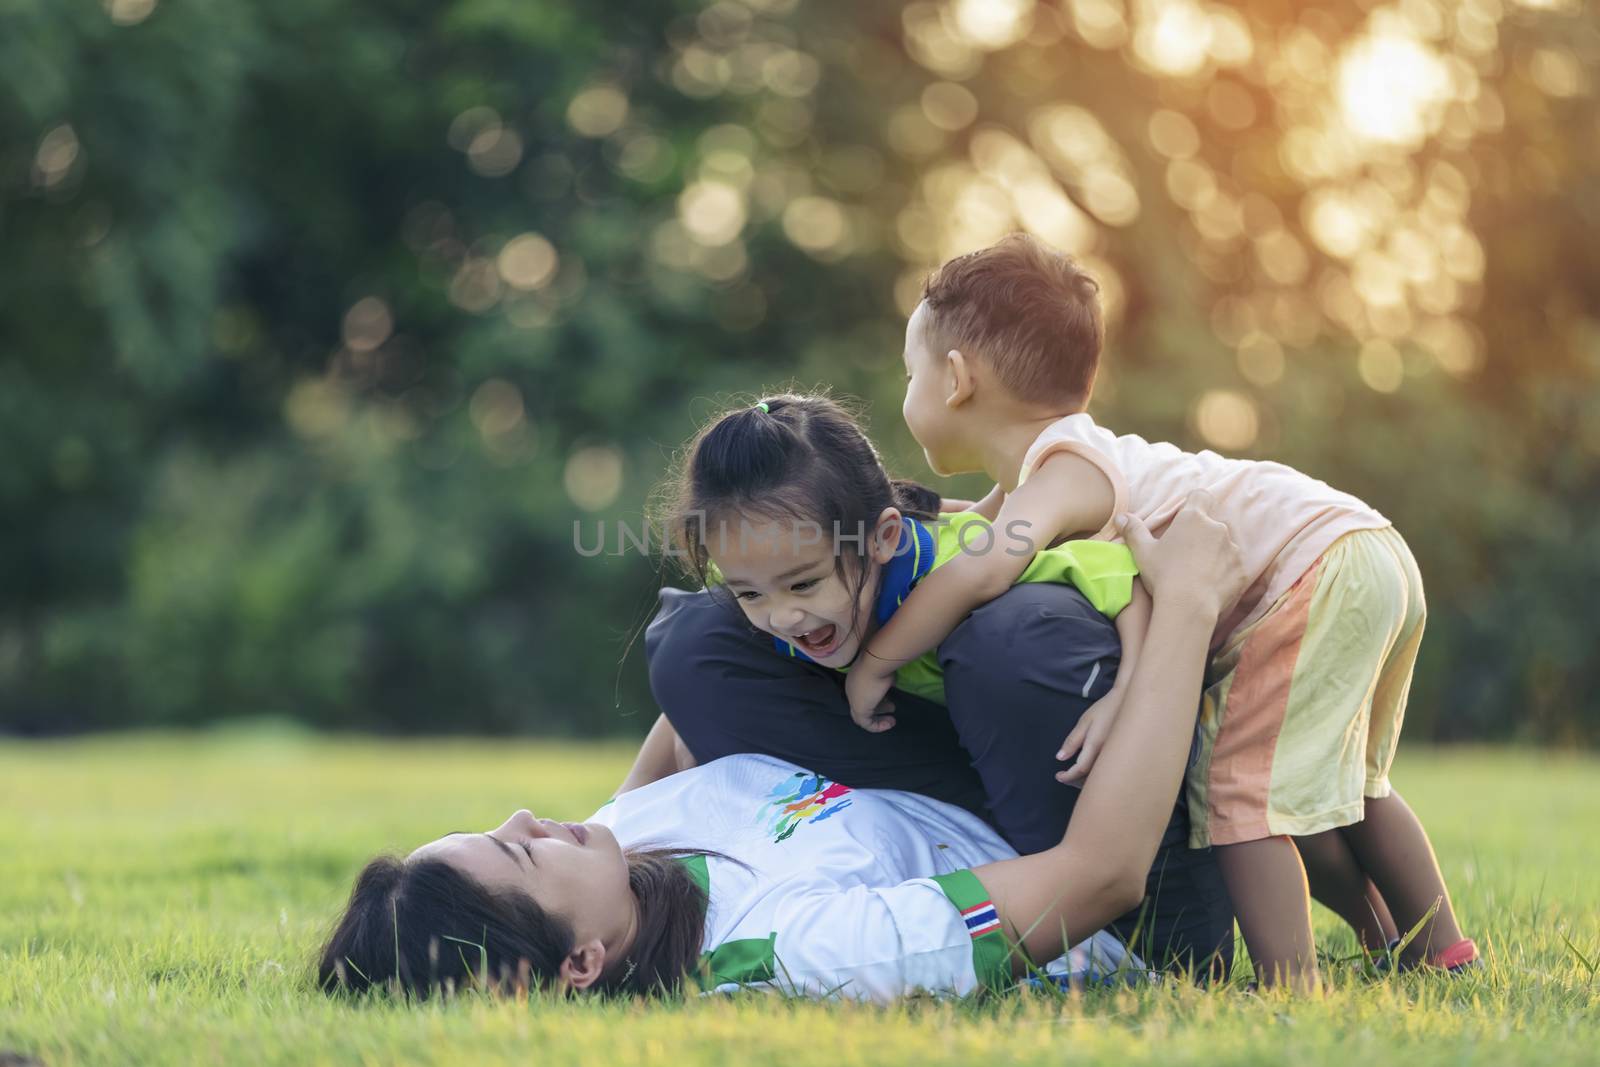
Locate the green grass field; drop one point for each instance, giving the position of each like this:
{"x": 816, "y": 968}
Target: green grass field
{"x": 162, "y": 898}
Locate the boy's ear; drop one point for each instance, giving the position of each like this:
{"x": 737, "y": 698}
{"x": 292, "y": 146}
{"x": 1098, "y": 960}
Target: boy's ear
{"x": 962, "y": 383}
{"x": 886, "y": 535}
{"x": 584, "y": 964}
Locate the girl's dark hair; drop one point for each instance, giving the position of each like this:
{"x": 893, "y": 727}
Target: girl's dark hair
{"x": 805, "y": 458}
{"x": 424, "y": 927}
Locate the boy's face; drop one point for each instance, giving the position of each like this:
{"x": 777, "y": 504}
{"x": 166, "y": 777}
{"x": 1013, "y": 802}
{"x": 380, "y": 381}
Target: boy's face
{"x": 928, "y": 384}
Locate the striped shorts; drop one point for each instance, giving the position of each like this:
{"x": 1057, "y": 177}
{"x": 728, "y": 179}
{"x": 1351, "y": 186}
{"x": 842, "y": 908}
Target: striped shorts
{"x": 1303, "y": 707}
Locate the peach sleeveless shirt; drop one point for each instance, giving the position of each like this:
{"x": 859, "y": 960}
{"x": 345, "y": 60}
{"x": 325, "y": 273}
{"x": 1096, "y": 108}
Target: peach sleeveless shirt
{"x": 1281, "y": 519}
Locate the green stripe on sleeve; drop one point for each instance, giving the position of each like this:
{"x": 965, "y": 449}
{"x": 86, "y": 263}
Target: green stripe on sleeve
{"x": 746, "y": 961}
{"x": 698, "y": 872}
{"x": 991, "y": 955}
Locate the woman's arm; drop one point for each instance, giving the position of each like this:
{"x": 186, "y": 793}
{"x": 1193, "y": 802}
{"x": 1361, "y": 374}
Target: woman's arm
{"x": 1055, "y": 898}
{"x": 661, "y": 754}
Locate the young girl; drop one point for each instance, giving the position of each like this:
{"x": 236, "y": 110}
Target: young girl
{"x": 1308, "y": 683}
{"x": 788, "y": 507}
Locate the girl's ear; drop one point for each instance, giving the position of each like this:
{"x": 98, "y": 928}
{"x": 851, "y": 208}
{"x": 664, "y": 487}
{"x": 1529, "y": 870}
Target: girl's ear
{"x": 886, "y": 535}
{"x": 583, "y": 966}
{"x": 962, "y": 384}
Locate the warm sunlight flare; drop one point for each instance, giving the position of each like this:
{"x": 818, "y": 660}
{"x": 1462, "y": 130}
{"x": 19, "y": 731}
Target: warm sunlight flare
{"x": 993, "y": 24}
{"x": 1389, "y": 87}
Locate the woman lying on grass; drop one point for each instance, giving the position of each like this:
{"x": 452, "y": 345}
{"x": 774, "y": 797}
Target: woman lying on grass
{"x": 751, "y": 871}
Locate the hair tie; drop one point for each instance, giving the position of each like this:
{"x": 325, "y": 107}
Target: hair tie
{"x": 763, "y": 407}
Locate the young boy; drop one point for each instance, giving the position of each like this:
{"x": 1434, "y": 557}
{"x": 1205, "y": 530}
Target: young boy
{"x": 1310, "y": 671}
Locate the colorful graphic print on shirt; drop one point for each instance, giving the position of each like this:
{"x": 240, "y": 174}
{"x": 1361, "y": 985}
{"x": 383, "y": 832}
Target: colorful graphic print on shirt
{"x": 802, "y": 798}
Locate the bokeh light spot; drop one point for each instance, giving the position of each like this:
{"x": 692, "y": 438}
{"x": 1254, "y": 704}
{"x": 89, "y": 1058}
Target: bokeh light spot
{"x": 1175, "y": 39}
{"x": 129, "y": 12}
{"x": 712, "y": 212}
{"x": 1101, "y": 23}
{"x": 469, "y": 124}
{"x": 815, "y": 224}
{"x": 58, "y": 151}
{"x": 495, "y": 152}
{"x": 1381, "y": 367}
{"x": 316, "y": 408}
{"x": 1227, "y": 419}
{"x": 527, "y": 262}
{"x": 1173, "y": 134}
{"x": 598, "y": 111}
{"x": 367, "y": 324}
{"x": 949, "y": 106}
{"x": 1260, "y": 359}
{"x": 993, "y": 24}
{"x": 1388, "y": 85}
{"x": 496, "y": 407}
{"x": 593, "y": 476}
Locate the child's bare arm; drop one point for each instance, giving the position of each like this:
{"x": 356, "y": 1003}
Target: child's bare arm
{"x": 989, "y": 506}
{"x": 1094, "y": 726}
{"x": 1065, "y": 495}
{"x": 934, "y": 608}
{"x": 1132, "y": 622}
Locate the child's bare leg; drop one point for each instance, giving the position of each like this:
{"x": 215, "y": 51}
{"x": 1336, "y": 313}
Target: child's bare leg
{"x": 1268, "y": 887}
{"x": 1393, "y": 849}
{"x": 1338, "y": 881}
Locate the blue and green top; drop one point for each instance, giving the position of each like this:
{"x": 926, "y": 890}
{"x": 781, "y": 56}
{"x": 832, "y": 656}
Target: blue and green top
{"x": 1102, "y": 571}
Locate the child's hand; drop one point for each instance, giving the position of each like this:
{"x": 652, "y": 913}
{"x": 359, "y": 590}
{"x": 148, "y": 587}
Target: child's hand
{"x": 865, "y": 687}
{"x": 1087, "y": 738}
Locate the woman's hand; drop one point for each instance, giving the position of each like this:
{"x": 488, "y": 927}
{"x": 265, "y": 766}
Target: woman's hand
{"x": 1195, "y": 559}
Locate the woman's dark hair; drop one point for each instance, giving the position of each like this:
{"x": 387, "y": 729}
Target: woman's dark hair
{"x": 424, "y": 927}
{"x": 791, "y": 456}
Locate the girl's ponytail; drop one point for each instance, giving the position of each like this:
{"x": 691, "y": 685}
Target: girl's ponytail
{"x": 915, "y": 499}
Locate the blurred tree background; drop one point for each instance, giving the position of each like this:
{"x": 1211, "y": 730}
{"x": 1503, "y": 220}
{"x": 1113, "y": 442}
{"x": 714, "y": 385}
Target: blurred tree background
{"x": 323, "y": 324}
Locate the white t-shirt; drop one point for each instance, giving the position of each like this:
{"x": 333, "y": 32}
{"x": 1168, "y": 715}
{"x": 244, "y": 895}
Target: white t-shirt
{"x": 866, "y": 894}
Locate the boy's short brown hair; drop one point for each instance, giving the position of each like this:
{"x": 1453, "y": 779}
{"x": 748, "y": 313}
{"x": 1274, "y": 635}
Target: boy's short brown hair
{"x": 1026, "y": 310}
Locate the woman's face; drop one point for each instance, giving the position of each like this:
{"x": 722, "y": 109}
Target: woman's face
{"x": 783, "y": 576}
{"x": 572, "y": 870}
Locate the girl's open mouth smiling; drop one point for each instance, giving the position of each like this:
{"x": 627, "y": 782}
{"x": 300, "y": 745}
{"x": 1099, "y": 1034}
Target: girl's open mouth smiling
{"x": 819, "y": 642}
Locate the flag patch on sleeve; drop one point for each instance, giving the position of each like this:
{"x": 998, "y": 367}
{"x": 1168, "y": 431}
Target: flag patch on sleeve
{"x": 981, "y": 919}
